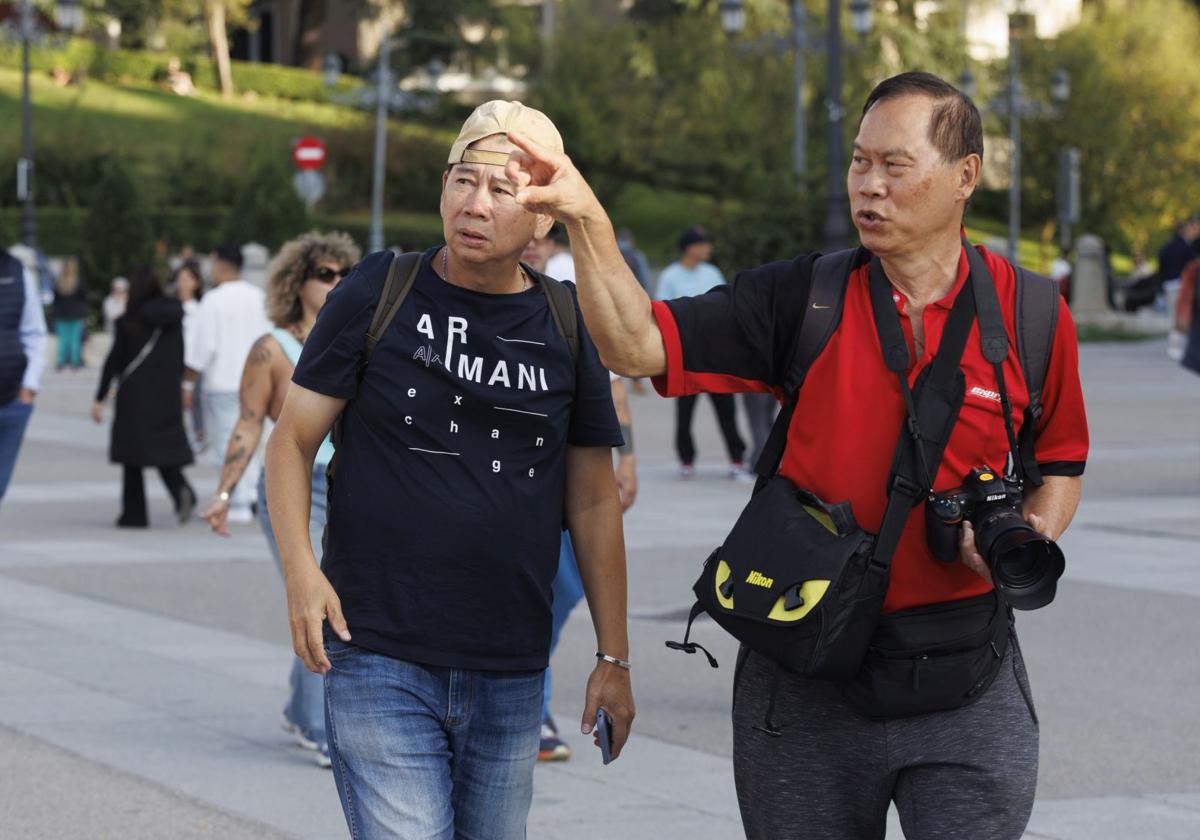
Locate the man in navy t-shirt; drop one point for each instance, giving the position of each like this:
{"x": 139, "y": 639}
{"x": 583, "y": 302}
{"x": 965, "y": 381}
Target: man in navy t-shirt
{"x": 471, "y": 438}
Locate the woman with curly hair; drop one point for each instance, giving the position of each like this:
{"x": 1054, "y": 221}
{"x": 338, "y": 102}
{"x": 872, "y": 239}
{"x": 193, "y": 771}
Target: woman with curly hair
{"x": 298, "y": 281}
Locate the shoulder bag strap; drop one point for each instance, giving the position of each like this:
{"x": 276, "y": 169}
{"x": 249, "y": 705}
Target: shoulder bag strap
{"x": 821, "y": 316}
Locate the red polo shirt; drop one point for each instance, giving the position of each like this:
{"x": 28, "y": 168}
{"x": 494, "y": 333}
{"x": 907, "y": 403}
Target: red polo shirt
{"x": 843, "y": 435}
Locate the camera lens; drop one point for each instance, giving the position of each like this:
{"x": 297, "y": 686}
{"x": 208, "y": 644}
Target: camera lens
{"x": 1025, "y": 565}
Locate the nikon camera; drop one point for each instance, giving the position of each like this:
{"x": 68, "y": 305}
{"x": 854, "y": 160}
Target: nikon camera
{"x": 1025, "y": 565}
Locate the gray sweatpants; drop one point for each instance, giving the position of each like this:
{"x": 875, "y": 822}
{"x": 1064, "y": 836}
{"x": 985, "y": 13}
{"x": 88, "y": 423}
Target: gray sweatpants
{"x": 831, "y": 774}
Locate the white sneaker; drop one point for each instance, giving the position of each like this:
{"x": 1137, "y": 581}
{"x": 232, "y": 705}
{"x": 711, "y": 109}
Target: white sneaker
{"x": 322, "y": 758}
{"x": 240, "y": 515}
{"x": 301, "y": 739}
{"x": 687, "y": 471}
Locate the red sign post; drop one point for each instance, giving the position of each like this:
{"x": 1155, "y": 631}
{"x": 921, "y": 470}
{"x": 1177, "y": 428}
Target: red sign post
{"x": 309, "y": 153}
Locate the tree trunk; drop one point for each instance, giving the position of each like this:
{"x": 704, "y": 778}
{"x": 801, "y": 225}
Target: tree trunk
{"x": 220, "y": 45}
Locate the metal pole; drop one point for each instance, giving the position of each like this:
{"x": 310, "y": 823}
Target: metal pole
{"x": 25, "y": 163}
{"x": 837, "y": 229}
{"x": 548, "y": 24}
{"x": 1014, "y": 138}
{"x": 799, "y": 126}
{"x": 382, "y": 94}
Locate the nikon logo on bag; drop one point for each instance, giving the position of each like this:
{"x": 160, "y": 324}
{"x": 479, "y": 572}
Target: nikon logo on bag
{"x": 759, "y": 579}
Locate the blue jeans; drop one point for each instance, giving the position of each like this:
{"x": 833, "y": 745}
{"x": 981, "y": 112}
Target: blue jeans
{"x": 430, "y": 753}
{"x": 305, "y": 708}
{"x": 14, "y": 417}
{"x": 568, "y": 591}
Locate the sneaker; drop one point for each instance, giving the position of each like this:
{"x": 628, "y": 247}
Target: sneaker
{"x": 736, "y": 469}
{"x": 746, "y": 477}
{"x": 687, "y": 471}
{"x": 322, "y": 758}
{"x": 241, "y": 515}
{"x": 302, "y": 739}
{"x": 551, "y": 747}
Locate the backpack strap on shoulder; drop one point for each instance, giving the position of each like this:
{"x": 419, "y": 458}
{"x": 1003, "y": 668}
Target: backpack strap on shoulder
{"x": 1037, "y": 320}
{"x": 402, "y": 273}
{"x": 562, "y": 309}
{"x": 821, "y": 316}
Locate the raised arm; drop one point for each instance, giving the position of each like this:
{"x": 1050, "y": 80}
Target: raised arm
{"x": 614, "y": 305}
{"x": 303, "y": 423}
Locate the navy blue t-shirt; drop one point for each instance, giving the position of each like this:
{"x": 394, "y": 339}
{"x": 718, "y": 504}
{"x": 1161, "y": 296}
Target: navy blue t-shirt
{"x": 446, "y": 510}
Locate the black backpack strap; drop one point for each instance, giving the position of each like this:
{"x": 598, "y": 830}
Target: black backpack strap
{"x": 402, "y": 273}
{"x": 1037, "y": 320}
{"x": 821, "y": 316}
{"x": 562, "y": 309}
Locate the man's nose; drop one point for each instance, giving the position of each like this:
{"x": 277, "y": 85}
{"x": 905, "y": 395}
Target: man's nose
{"x": 871, "y": 184}
{"x": 479, "y": 202}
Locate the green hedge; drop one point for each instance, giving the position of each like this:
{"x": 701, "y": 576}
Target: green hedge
{"x": 120, "y": 65}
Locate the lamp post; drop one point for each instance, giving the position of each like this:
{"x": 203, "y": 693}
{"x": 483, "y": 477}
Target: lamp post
{"x": 25, "y": 162}
{"x": 68, "y": 15}
{"x": 836, "y": 231}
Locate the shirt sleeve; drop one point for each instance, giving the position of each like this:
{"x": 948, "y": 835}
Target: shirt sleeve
{"x": 329, "y": 362}
{"x": 1061, "y": 441}
{"x": 665, "y": 290}
{"x": 198, "y": 354}
{"x": 737, "y": 337}
{"x": 593, "y": 417}
{"x": 33, "y": 332}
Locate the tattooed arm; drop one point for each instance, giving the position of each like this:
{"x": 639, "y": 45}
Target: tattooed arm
{"x": 256, "y": 391}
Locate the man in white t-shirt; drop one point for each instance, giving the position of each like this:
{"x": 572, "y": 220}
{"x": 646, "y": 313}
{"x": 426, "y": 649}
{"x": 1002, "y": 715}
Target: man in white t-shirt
{"x": 560, "y": 266}
{"x": 230, "y": 318}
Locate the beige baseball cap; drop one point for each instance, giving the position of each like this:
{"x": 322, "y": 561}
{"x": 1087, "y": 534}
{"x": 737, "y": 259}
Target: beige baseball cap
{"x": 500, "y": 117}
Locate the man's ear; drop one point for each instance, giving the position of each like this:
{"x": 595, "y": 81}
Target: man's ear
{"x": 969, "y": 171}
{"x": 542, "y": 227}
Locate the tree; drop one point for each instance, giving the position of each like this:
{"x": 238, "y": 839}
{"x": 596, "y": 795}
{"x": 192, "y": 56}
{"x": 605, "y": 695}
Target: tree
{"x": 1138, "y": 129}
{"x": 267, "y": 210}
{"x": 117, "y": 236}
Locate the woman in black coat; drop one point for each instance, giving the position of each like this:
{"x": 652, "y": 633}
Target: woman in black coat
{"x": 146, "y": 360}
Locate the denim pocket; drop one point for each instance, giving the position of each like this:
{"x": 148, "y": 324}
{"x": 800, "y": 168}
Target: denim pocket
{"x": 335, "y": 648}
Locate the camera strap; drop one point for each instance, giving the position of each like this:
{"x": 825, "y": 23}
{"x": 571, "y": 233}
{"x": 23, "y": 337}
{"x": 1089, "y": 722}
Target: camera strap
{"x": 905, "y": 491}
{"x": 995, "y": 349}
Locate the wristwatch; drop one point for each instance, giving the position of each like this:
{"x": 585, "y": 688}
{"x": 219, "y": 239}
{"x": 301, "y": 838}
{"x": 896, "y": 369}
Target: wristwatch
{"x": 223, "y": 496}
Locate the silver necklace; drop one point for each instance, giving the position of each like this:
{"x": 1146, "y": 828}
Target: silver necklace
{"x": 525, "y": 284}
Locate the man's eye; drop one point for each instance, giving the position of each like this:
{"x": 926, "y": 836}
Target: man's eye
{"x": 501, "y": 190}
{"x": 859, "y": 161}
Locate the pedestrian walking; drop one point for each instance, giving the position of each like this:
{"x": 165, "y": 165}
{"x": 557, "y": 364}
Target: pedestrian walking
{"x": 693, "y": 274}
{"x": 230, "y": 319}
{"x": 22, "y": 358}
{"x": 475, "y": 418}
{"x": 934, "y": 711}
{"x": 760, "y": 416}
{"x": 298, "y": 280}
{"x": 188, "y": 285}
{"x": 146, "y": 365}
{"x": 69, "y": 313}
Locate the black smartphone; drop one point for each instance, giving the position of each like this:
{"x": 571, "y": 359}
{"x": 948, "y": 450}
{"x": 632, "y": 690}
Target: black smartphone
{"x": 605, "y": 735}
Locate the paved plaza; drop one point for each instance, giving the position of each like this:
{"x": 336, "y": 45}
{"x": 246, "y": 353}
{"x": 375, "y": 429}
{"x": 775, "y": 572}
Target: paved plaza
{"x": 142, "y": 674}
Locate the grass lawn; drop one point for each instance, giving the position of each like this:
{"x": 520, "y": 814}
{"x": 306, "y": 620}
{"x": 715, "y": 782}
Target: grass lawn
{"x": 151, "y": 126}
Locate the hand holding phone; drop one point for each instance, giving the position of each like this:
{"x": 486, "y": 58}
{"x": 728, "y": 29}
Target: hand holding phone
{"x": 604, "y": 735}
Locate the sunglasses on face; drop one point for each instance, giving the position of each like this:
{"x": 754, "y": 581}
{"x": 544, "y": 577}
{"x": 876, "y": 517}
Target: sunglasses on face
{"x": 328, "y": 275}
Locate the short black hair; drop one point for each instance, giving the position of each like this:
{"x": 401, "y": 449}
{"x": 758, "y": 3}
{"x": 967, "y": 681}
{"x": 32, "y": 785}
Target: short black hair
{"x": 230, "y": 253}
{"x": 955, "y": 127}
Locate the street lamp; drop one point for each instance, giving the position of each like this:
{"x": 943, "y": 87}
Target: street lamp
{"x": 69, "y": 16}
{"x": 837, "y": 208}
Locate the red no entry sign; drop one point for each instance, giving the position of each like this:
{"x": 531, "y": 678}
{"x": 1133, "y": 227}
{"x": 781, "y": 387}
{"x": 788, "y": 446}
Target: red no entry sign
{"x": 309, "y": 153}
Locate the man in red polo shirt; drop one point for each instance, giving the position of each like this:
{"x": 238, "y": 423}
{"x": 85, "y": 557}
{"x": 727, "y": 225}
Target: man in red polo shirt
{"x": 828, "y": 772}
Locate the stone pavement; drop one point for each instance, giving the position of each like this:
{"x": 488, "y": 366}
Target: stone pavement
{"x": 142, "y": 673}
